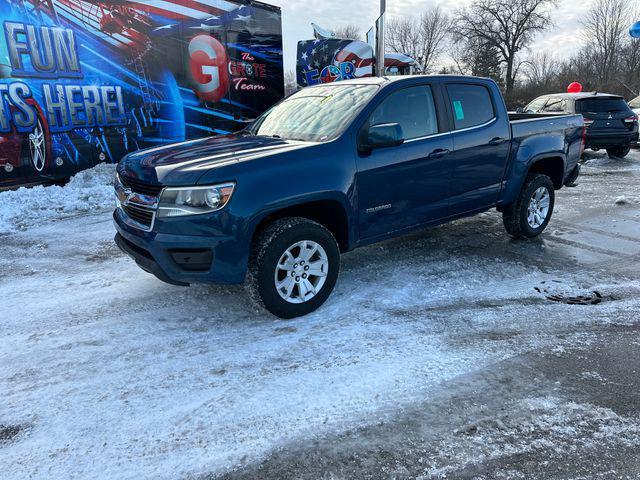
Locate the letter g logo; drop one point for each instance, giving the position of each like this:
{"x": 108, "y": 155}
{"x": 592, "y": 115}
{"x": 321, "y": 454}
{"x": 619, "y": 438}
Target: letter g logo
{"x": 208, "y": 62}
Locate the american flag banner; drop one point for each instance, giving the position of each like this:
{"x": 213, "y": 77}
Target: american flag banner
{"x": 330, "y": 60}
{"x": 128, "y": 23}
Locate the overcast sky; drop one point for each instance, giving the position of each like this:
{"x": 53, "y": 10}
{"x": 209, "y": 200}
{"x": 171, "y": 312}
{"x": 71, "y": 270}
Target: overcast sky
{"x": 297, "y": 16}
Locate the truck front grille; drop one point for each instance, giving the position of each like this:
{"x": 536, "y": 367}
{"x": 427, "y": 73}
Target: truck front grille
{"x": 140, "y": 187}
{"x": 142, "y": 216}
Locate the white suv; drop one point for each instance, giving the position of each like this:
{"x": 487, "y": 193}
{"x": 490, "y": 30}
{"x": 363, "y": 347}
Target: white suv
{"x": 635, "y": 106}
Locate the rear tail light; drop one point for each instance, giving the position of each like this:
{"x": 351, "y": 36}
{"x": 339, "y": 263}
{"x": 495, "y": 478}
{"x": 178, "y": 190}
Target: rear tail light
{"x": 631, "y": 122}
{"x": 583, "y": 143}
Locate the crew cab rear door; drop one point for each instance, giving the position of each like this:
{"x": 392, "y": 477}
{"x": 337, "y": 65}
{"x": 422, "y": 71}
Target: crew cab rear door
{"x": 406, "y": 185}
{"x": 481, "y": 145}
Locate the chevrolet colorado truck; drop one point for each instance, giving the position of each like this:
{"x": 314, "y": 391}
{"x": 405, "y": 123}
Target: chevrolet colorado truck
{"x": 332, "y": 168}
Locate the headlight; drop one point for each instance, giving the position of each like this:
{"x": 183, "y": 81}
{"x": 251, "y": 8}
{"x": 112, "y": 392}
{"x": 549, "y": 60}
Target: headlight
{"x": 177, "y": 202}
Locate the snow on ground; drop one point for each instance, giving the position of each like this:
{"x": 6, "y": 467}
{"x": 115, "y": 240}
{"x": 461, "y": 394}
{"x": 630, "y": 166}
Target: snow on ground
{"x": 533, "y": 425}
{"x": 105, "y": 372}
{"x": 90, "y": 191}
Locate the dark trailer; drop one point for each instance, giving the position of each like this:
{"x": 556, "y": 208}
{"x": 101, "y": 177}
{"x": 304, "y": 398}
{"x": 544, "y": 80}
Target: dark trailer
{"x": 87, "y": 82}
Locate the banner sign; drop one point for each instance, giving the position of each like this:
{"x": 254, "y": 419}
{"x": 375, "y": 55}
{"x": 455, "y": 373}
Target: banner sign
{"x": 331, "y": 60}
{"x": 83, "y": 82}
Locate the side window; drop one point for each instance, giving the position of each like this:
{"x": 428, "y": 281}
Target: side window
{"x": 536, "y": 105}
{"x": 413, "y": 108}
{"x": 471, "y": 105}
{"x": 555, "y": 105}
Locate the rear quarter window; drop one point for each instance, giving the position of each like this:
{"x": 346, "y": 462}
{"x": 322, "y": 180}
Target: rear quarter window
{"x": 471, "y": 105}
{"x": 555, "y": 105}
{"x": 536, "y": 105}
{"x": 601, "y": 105}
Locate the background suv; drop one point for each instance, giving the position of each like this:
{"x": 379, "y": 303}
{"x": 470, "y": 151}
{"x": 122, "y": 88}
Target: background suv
{"x": 635, "y": 106}
{"x": 611, "y": 124}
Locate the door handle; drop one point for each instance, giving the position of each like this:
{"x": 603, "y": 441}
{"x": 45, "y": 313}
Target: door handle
{"x": 497, "y": 141}
{"x": 439, "y": 153}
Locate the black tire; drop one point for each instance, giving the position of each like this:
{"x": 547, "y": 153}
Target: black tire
{"x": 269, "y": 246}
{"x": 514, "y": 216}
{"x": 619, "y": 152}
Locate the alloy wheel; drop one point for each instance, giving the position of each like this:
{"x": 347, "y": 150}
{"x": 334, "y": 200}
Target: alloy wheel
{"x": 538, "y": 210}
{"x": 301, "y": 271}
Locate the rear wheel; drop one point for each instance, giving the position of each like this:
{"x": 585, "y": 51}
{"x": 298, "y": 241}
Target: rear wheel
{"x": 293, "y": 268}
{"x": 530, "y": 214}
{"x": 619, "y": 152}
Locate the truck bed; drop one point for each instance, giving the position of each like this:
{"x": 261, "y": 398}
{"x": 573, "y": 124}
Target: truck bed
{"x": 556, "y": 135}
{"x": 525, "y": 125}
{"x": 515, "y": 117}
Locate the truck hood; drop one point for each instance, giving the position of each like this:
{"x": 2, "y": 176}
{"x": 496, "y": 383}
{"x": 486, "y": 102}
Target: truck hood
{"x": 184, "y": 163}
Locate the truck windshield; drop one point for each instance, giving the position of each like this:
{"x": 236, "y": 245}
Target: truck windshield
{"x": 315, "y": 114}
{"x": 601, "y": 105}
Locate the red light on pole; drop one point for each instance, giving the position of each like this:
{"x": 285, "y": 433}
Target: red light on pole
{"x": 574, "y": 87}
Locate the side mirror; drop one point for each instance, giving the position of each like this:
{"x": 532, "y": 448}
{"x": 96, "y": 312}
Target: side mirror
{"x": 383, "y": 136}
{"x": 520, "y": 110}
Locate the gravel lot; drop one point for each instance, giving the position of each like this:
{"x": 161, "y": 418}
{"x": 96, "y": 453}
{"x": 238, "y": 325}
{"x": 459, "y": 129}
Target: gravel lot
{"x": 452, "y": 353}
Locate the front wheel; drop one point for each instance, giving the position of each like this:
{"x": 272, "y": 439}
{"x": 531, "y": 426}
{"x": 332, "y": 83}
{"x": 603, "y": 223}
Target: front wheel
{"x": 531, "y": 213}
{"x": 619, "y": 152}
{"x": 293, "y": 267}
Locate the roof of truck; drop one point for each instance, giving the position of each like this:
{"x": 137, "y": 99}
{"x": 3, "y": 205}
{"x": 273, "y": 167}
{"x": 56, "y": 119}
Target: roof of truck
{"x": 384, "y": 80}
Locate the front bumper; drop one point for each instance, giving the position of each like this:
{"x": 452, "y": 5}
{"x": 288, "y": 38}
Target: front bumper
{"x": 144, "y": 260}
{"x": 181, "y": 259}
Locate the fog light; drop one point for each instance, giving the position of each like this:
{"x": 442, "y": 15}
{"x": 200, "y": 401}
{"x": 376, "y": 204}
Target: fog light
{"x": 8, "y": 167}
{"x": 197, "y": 260}
{"x": 102, "y": 157}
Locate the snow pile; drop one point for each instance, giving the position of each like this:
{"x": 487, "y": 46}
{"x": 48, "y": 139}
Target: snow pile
{"x": 89, "y": 191}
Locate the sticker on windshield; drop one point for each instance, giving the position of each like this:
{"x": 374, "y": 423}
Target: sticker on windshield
{"x": 457, "y": 106}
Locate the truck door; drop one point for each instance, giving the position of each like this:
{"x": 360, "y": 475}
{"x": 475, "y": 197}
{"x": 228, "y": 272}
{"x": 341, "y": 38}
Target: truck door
{"x": 481, "y": 145}
{"x": 402, "y": 186}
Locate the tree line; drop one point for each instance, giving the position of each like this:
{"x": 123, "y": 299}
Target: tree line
{"x": 495, "y": 38}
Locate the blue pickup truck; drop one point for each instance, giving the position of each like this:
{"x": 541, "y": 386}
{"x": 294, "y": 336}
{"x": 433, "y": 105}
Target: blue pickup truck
{"x": 334, "y": 167}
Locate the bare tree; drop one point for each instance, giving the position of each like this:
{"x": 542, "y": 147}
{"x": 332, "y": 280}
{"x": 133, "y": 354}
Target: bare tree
{"x": 423, "y": 39}
{"x": 290, "y": 82}
{"x": 508, "y": 25}
{"x": 476, "y": 57}
{"x": 347, "y": 32}
{"x": 605, "y": 27}
{"x": 630, "y": 65}
{"x": 542, "y": 69}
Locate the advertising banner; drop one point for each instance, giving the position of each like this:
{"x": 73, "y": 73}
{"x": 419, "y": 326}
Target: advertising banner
{"x": 332, "y": 59}
{"x": 83, "y": 82}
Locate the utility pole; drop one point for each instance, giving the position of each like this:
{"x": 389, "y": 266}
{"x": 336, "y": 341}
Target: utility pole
{"x": 381, "y": 40}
